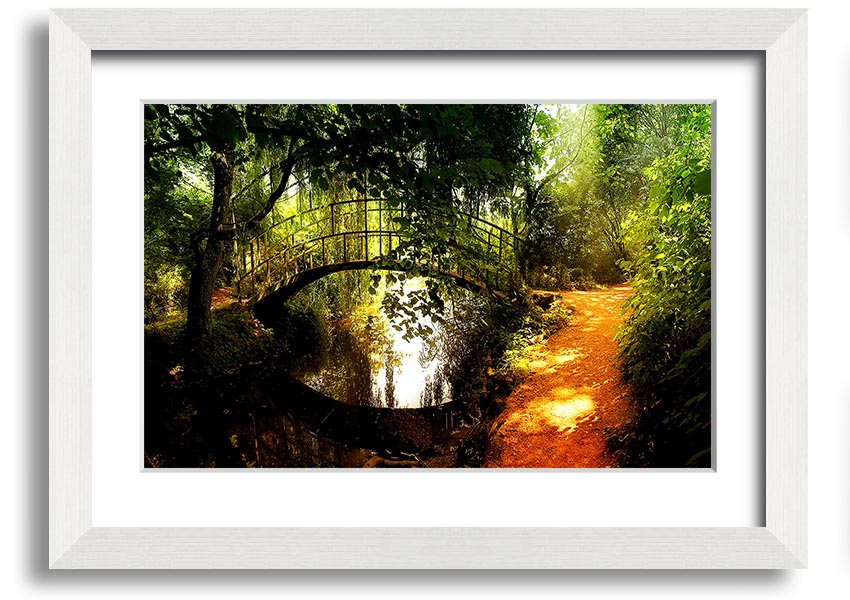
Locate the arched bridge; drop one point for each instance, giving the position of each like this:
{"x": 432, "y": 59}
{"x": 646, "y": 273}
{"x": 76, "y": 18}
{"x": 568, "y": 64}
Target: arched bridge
{"x": 289, "y": 253}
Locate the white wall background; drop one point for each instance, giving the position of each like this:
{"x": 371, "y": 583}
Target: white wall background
{"x": 23, "y": 306}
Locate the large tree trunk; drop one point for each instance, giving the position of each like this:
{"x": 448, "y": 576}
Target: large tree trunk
{"x": 209, "y": 253}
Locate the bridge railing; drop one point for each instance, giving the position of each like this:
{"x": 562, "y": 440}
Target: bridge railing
{"x": 351, "y": 231}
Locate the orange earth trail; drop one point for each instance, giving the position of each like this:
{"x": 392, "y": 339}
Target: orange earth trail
{"x": 562, "y": 413}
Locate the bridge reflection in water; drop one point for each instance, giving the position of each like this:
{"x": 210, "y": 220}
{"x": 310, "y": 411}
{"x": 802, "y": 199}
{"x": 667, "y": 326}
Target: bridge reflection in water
{"x": 313, "y": 430}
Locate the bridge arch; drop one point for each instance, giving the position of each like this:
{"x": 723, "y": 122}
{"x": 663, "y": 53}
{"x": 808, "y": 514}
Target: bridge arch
{"x": 289, "y": 254}
{"x": 283, "y": 290}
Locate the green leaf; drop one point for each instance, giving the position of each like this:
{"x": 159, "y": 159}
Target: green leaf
{"x": 702, "y": 183}
{"x": 229, "y": 128}
{"x": 353, "y": 184}
{"x": 254, "y": 120}
{"x": 491, "y": 165}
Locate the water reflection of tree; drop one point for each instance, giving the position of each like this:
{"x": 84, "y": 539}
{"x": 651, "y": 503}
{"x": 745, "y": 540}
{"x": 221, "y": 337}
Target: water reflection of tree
{"x": 431, "y": 348}
{"x": 383, "y": 356}
{"x": 436, "y": 390}
{"x": 390, "y": 399}
{"x": 347, "y": 374}
{"x": 359, "y": 380}
{"x": 467, "y": 340}
{"x": 433, "y": 351}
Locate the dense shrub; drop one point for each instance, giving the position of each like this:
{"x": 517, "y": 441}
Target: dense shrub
{"x": 300, "y": 334}
{"x": 165, "y": 292}
{"x": 665, "y": 343}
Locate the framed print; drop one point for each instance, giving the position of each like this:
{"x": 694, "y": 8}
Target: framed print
{"x": 350, "y": 225}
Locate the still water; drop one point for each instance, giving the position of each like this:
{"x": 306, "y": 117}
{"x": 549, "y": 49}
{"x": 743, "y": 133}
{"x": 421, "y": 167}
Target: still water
{"x": 370, "y": 363}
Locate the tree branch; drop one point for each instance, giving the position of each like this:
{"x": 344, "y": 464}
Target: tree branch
{"x": 151, "y": 149}
{"x": 286, "y": 166}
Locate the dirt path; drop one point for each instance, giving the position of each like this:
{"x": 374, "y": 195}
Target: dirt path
{"x": 559, "y": 415}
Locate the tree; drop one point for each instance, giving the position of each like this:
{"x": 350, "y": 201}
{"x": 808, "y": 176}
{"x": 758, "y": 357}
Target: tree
{"x": 593, "y": 183}
{"x": 425, "y": 159}
{"x": 554, "y": 144}
{"x": 217, "y": 134}
{"x": 574, "y": 207}
{"x": 561, "y": 209}
{"x": 620, "y": 170}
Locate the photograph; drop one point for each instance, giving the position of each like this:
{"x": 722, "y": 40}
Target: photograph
{"x": 408, "y": 285}
{"x": 380, "y": 299}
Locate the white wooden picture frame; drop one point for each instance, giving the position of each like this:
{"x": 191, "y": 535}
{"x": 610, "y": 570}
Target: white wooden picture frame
{"x": 75, "y": 34}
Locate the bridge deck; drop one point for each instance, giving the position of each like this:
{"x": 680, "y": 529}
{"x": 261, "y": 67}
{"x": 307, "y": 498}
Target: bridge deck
{"x": 357, "y": 234}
